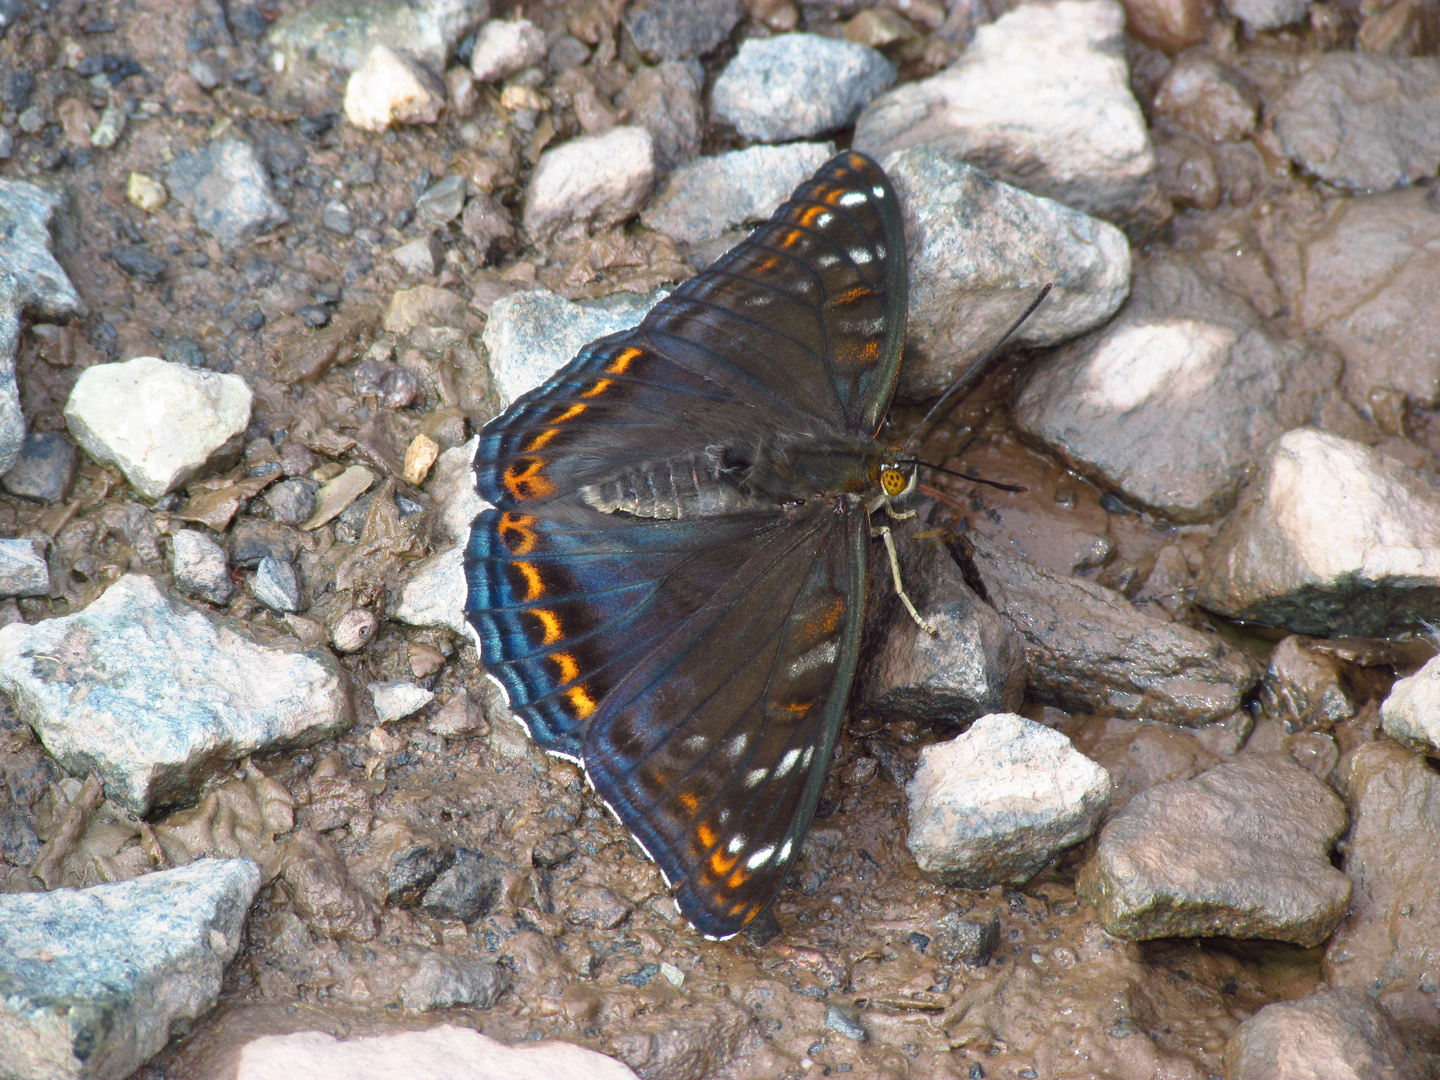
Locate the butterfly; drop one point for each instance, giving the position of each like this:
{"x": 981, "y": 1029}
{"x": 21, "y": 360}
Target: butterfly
{"x": 670, "y": 583}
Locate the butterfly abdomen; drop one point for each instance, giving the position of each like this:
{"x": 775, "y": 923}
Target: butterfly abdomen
{"x": 700, "y": 483}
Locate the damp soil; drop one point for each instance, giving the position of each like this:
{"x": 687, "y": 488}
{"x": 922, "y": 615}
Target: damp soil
{"x": 580, "y": 922}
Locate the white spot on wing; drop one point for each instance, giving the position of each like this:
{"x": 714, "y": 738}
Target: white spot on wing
{"x": 760, "y": 858}
{"x": 737, "y": 842}
{"x": 807, "y": 757}
{"x": 754, "y": 776}
{"x": 787, "y": 762}
{"x": 854, "y": 198}
{"x": 695, "y": 743}
{"x": 737, "y": 746}
{"x": 785, "y": 849}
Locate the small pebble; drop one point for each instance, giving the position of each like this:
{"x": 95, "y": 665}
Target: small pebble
{"x": 421, "y": 256}
{"x": 442, "y": 201}
{"x": 292, "y": 501}
{"x": 354, "y": 629}
{"x": 390, "y": 86}
{"x": 398, "y": 699}
{"x": 139, "y": 262}
{"x": 44, "y": 468}
{"x": 337, "y": 218}
{"x": 199, "y": 567}
{"x": 419, "y": 457}
{"x": 277, "y": 586}
{"x": 315, "y": 315}
{"x": 837, "y": 1019}
{"x": 22, "y": 571}
{"x": 505, "y": 46}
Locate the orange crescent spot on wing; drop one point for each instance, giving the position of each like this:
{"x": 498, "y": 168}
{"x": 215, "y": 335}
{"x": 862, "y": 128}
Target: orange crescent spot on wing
{"x": 811, "y": 213}
{"x": 791, "y": 238}
{"x": 549, "y": 623}
{"x": 520, "y": 526}
{"x": 689, "y": 801}
{"x": 581, "y": 701}
{"x": 706, "y": 834}
{"x": 738, "y": 878}
{"x": 566, "y": 669}
{"x": 541, "y": 439}
{"x": 849, "y": 296}
{"x": 528, "y": 483}
{"x": 570, "y": 413}
{"x": 534, "y": 585}
{"x": 719, "y": 865}
{"x": 621, "y": 362}
{"x": 599, "y": 388}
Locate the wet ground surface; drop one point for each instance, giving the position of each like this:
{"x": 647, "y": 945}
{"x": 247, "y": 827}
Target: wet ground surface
{"x": 852, "y": 980}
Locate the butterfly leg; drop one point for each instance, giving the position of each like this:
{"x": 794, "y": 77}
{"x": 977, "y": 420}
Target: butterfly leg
{"x": 884, "y": 533}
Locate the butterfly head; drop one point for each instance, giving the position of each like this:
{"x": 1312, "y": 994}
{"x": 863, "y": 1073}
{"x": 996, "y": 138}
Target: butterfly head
{"x": 895, "y": 477}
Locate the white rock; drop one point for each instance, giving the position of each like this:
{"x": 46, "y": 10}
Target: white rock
{"x": 95, "y": 979}
{"x": 452, "y": 487}
{"x": 159, "y": 422}
{"x": 442, "y": 1053}
{"x": 23, "y": 572}
{"x": 702, "y": 199}
{"x": 435, "y": 593}
{"x": 595, "y": 181}
{"x": 1267, "y": 14}
{"x": 1331, "y": 537}
{"x": 504, "y": 46}
{"x": 340, "y": 32}
{"x": 1411, "y": 714}
{"x": 154, "y": 695}
{"x": 1040, "y": 99}
{"x": 398, "y": 698}
{"x": 997, "y": 803}
{"x": 390, "y": 86}
{"x": 530, "y": 335}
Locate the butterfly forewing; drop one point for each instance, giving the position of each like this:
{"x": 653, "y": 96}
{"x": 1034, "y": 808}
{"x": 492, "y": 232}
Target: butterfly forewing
{"x": 699, "y": 666}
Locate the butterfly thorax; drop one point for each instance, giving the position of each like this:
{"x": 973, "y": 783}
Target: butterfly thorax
{"x": 743, "y": 476}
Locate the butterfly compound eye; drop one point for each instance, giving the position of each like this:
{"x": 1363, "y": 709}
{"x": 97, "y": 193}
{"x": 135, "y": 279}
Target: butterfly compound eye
{"x": 893, "y": 482}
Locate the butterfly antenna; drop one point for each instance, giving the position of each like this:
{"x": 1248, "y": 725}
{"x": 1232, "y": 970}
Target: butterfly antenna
{"x": 1012, "y": 488}
{"x": 968, "y": 376}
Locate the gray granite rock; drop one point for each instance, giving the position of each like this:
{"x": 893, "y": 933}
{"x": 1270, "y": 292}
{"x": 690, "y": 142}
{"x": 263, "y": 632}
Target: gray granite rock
{"x": 979, "y": 251}
{"x": 439, "y": 980}
{"x": 531, "y": 334}
{"x": 96, "y": 980}
{"x": 504, "y": 46}
{"x": 159, "y": 422}
{"x": 1089, "y": 650}
{"x": 1267, "y": 14}
{"x": 1040, "y": 99}
{"x": 1411, "y": 712}
{"x": 398, "y": 698}
{"x": 594, "y": 181}
{"x": 23, "y": 571}
{"x": 199, "y": 566}
{"x": 277, "y": 585}
{"x": 1303, "y": 688}
{"x": 1362, "y": 121}
{"x": 340, "y": 32}
{"x": 1171, "y": 402}
{"x": 796, "y": 86}
{"x": 225, "y": 185}
{"x": 292, "y": 501}
{"x": 452, "y": 487}
{"x": 435, "y": 593}
{"x": 665, "y": 100}
{"x": 1335, "y": 1034}
{"x": 153, "y": 695}
{"x": 43, "y": 469}
{"x": 678, "y": 29}
{"x": 423, "y": 256}
{"x": 443, "y": 200}
{"x": 703, "y": 199}
{"x": 973, "y": 666}
{"x": 1242, "y": 850}
{"x": 1385, "y": 947}
{"x": 997, "y": 803}
{"x": 1331, "y": 537}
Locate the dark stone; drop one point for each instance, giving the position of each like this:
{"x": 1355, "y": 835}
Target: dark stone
{"x": 315, "y": 315}
{"x": 29, "y": 775}
{"x": 467, "y": 890}
{"x": 247, "y": 21}
{"x": 292, "y": 501}
{"x": 139, "y": 262}
{"x": 641, "y": 977}
{"x": 254, "y": 321}
{"x": 18, "y": 842}
{"x": 412, "y": 870}
{"x": 184, "y": 351}
{"x": 676, "y": 29}
{"x": 552, "y": 851}
{"x": 393, "y": 386}
{"x": 253, "y": 539}
{"x": 44, "y": 468}
{"x": 967, "y": 939}
{"x": 16, "y": 86}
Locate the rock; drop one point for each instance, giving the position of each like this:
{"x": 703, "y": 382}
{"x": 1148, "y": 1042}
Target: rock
{"x": 391, "y": 86}
{"x": 460, "y": 717}
{"x": 337, "y": 494}
{"x": 253, "y": 539}
{"x": 354, "y": 629}
{"x": 152, "y": 694}
{"x": 1330, "y": 538}
{"x": 277, "y": 585}
{"x": 1267, "y": 14}
{"x": 436, "y": 592}
{"x": 402, "y": 863}
{"x": 424, "y": 305}
{"x": 146, "y": 192}
{"x": 796, "y": 86}
{"x": 139, "y": 262}
{"x": 452, "y": 486}
{"x": 398, "y": 699}
{"x": 1170, "y": 25}
{"x": 487, "y": 224}
{"x": 1303, "y": 688}
{"x": 1206, "y": 100}
{"x": 665, "y": 100}
{"x": 979, "y": 252}
{"x": 443, "y": 200}
{"x": 701, "y": 200}
{"x": 1338, "y": 1034}
{"x": 970, "y": 940}
{"x": 1041, "y": 99}
{"x": 338, "y": 218}
{"x": 1088, "y": 650}
{"x": 1411, "y": 713}
{"x": 321, "y": 891}
{"x": 439, "y": 1053}
{"x": 1240, "y": 851}
{"x": 466, "y": 890}
{"x": 593, "y": 181}
{"x": 423, "y": 256}
{"x": 1362, "y": 121}
{"x": 292, "y": 501}
{"x": 95, "y": 980}
{"x": 678, "y": 29}
{"x": 340, "y": 32}
{"x": 597, "y": 908}
{"x": 1362, "y": 284}
{"x": 159, "y": 422}
{"x": 531, "y": 334}
{"x": 440, "y": 981}
{"x": 1171, "y": 403}
{"x": 504, "y": 46}
{"x": 844, "y": 1021}
{"x": 44, "y": 468}
{"x": 996, "y": 804}
{"x": 1385, "y": 947}
{"x": 976, "y": 663}
{"x": 225, "y": 185}
{"x": 198, "y": 566}
{"x": 23, "y": 572}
